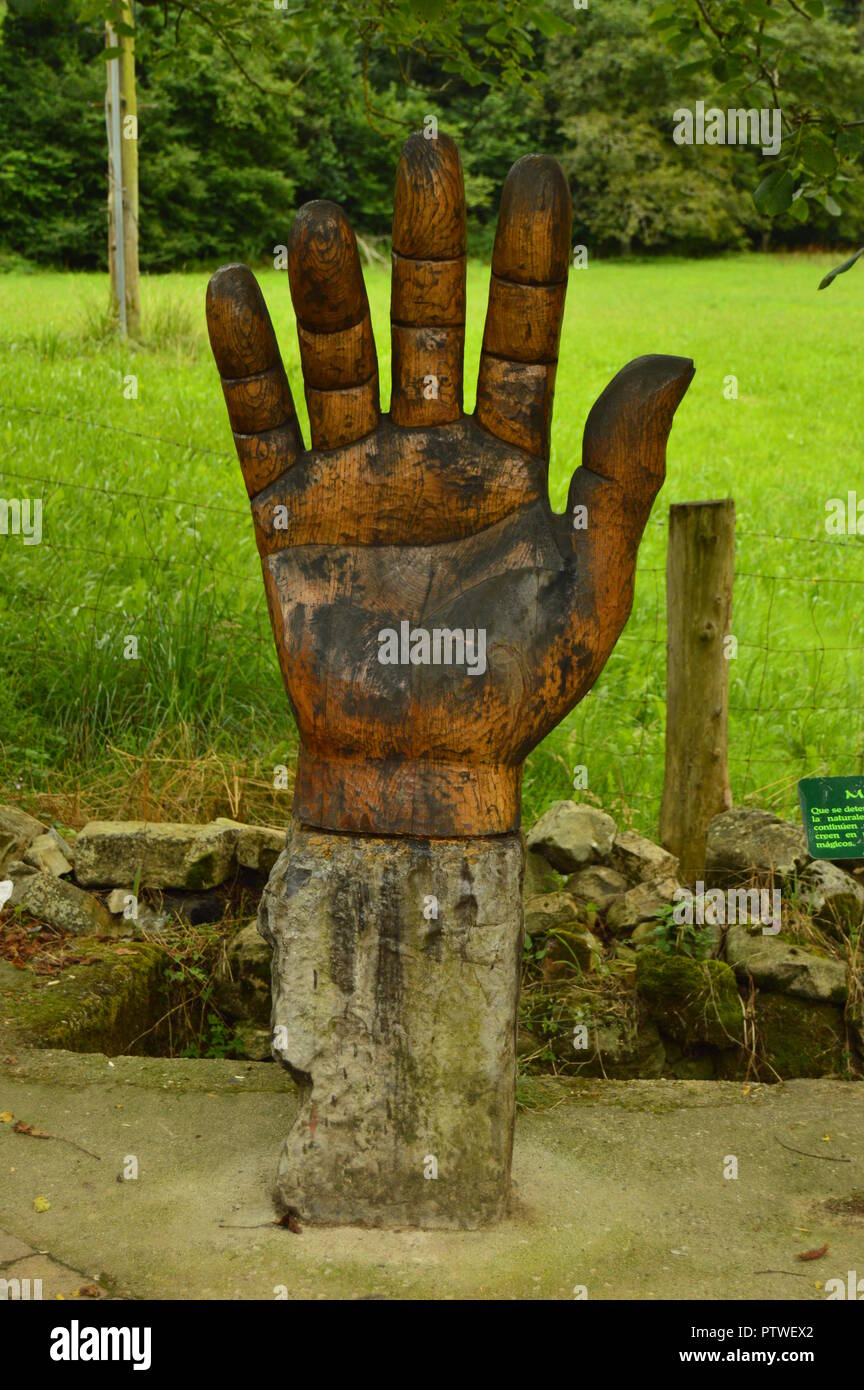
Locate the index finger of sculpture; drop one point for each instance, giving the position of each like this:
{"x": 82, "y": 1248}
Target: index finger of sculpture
{"x": 337, "y": 349}
{"x": 526, "y": 303}
{"x": 427, "y": 307}
{"x": 260, "y": 406}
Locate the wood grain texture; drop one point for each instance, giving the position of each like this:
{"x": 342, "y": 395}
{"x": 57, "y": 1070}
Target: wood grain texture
{"x": 428, "y": 365}
{"x": 327, "y": 287}
{"x": 530, "y": 263}
{"x": 700, "y": 572}
{"x": 343, "y": 358}
{"x": 265, "y": 456}
{"x": 429, "y": 525}
{"x": 340, "y": 417}
{"x": 428, "y": 295}
{"x": 337, "y": 348}
{"x": 395, "y": 485}
{"x": 429, "y": 221}
{"x": 260, "y": 405}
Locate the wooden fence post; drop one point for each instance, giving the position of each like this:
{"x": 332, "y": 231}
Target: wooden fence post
{"x": 699, "y": 577}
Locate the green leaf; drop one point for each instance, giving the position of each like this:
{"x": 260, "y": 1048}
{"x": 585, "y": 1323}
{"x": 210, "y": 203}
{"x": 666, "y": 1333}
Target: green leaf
{"x": 680, "y": 42}
{"x": 849, "y": 141}
{"x": 800, "y": 210}
{"x": 815, "y": 8}
{"x": 840, "y": 269}
{"x": 429, "y": 9}
{"x": 549, "y": 23}
{"x": 831, "y": 205}
{"x": 774, "y": 194}
{"x": 817, "y": 153}
{"x": 664, "y": 12}
{"x": 695, "y": 65}
{"x": 760, "y": 9}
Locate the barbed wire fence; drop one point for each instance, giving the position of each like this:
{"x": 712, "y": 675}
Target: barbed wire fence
{"x": 795, "y": 710}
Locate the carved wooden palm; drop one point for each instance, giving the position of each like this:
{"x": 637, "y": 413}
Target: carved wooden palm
{"x": 429, "y": 516}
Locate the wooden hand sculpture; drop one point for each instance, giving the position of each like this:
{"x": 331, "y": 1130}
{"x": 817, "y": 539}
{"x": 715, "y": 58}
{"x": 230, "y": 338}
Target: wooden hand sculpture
{"x": 434, "y": 618}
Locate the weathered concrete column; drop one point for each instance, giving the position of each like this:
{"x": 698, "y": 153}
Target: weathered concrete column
{"x": 395, "y": 991}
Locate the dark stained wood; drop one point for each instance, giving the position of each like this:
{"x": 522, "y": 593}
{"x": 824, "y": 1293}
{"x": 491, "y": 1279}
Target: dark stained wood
{"x": 337, "y": 349}
{"x": 427, "y": 362}
{"x": 327, "y": 286}
{"x": 343, "y": 358}
{"x": 514, "y": 402}
{"x": 256, "y": 390}
{"x": 261, "y": 402}
{"x": 524, "y": 321}
{"x": 427, "y": 307}
{"x": 428, "y": 292}
{"x": 265, "y": 456}
{"x": 429, "y": 517}
{"x": 340, "y": 417}
{"x": 429, "y": 203}
{"x": 363, "y": 494}
{"x": 530, "y": 262}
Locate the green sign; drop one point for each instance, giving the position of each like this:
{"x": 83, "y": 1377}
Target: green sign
{"x": 832, "y": 809}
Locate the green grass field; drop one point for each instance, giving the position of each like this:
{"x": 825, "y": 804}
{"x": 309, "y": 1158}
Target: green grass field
{"x": 153, "y": 539}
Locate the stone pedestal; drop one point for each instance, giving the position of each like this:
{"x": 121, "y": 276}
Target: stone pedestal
{"x": 395, "y": 992}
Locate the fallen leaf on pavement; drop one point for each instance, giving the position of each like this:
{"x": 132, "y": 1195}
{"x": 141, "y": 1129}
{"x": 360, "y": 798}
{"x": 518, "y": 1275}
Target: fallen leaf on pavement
{"x": 21, "y": 1128}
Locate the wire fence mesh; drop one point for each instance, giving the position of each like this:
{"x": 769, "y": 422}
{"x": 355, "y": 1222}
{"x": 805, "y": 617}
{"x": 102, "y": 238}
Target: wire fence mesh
{"x": 137, "y": 611}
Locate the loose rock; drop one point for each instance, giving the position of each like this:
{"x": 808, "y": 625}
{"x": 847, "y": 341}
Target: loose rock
{"x": 639, "y": 859}
{"x": 596, "y": 887}
{"x": 832, "y": 897}
{"x": 747, "y": 843}
{"x": 644, "y": 903}
{"x": 778, "y": 965}
{"x": 569, "y": 949}
{"x": 257, "y": 846}
{"x": 160, "y": 854}
{"x": 17, "y": 833}
{"x": 59, "y": 903}
{"x": 540, "y": 878}
{"x": 550, "y": 913}
{"x": 799, "y": 1037}
{"x": 244, "y": 991}
{"x": 46, "y": 855}
{"x": 570, "y": 835}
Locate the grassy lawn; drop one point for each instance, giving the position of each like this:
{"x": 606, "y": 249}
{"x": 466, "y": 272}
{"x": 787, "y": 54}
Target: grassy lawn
{"x": 153, "y": 540}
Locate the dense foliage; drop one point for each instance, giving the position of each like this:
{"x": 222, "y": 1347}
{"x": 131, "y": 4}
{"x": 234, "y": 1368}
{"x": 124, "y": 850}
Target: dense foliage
{"x": 224, "y": 164}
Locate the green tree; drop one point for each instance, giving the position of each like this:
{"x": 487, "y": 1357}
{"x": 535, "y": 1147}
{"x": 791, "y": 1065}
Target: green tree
{"x": 802, "y": 57}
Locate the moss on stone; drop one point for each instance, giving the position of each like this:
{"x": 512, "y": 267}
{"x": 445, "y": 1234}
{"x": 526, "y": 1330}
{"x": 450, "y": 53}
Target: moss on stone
{"x": 102, "y": 1006}
{"x": 201, "y": 872}
{"x": 799, "y": 1037}
{"x": 690, "y": 1000}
